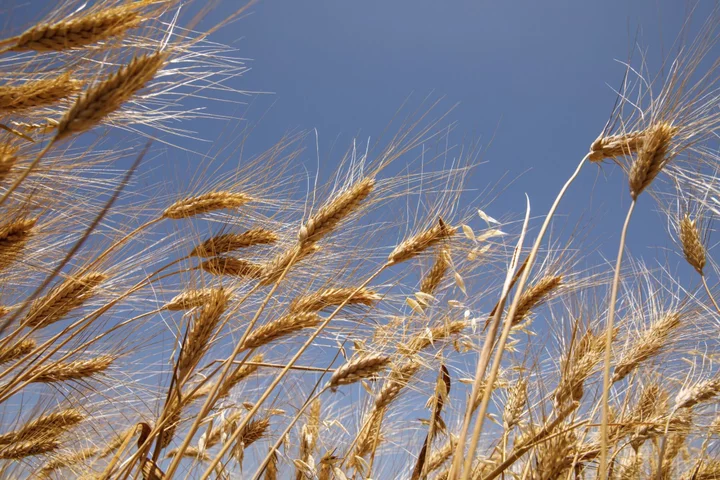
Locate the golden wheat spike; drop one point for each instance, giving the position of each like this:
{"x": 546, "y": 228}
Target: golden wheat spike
{"x": 76, "y": 370}
{"x": 358, "y": 369}
{"x": 13, "y": 238}
{"x": 613, "y": 146}
{"x": 337, "y": 209}
{"x": 61, "y": 300}
{"x": 332, "y": 297}
{"x": 78, "y": 32}
{"x": 651, "y": 158}
{"x": 280, "y": 328}
{"x": 229, "y": 242}
{"x": 37, "y": 93}
{"x": 417, "y": 244}
{"x": 14, "y": 352}
{"x": 205, "y": 203}
{"x": 109, "y": 95}
{"x": 45, "y": 427}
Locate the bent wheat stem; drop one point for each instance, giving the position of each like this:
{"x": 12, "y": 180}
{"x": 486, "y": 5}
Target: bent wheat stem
{"x": 602, "y": 473}
{"x": 459, "y": 451}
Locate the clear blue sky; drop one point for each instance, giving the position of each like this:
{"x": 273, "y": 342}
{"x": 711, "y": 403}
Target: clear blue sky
{"x": 535, "y": 76}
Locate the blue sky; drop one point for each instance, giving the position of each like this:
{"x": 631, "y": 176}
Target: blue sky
{"x": 535, "y": 77}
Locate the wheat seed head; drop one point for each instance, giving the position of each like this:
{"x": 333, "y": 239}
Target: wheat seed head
{"x": 205, "y": 203}
{"x": 37, "y": 93}
{"x": 81, "y": 31}
{"x": 109, "y": 95}
{"x": 229, "y": 242}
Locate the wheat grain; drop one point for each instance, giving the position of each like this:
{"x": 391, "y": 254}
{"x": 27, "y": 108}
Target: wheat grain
{"x": 197, "y": 339}
{"x": 234, "y": 267}
{"x": 429, "y": 336}
{"x": 29, "y": 448}
{"x": 435, "y": 276}
{"x": 241, "y": 373}
{"x": 613, "y": 146}
{"x": 648, "y": 345}
{"x": 286, "y": 260}
{"x": 14, "y": 352}
{"x": 8, "y": 158}
{"x": 68, "y": 459}
{"x": 535, "y": 295}
{"x": 190, "y": 299}
{"x": 45, "y": 427}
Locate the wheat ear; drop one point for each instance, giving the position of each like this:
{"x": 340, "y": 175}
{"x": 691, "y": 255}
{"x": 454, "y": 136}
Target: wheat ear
{"x": 205, "y": 203}
{"x": 229, "y": 242}
{"x": 79, "y": 32}
{"x": 234, "y": 267}
{"x": 332, "y": 297}
{"x": 358, "y": 369}
{"x": 417, "y": 244}
{"x": 37, "y": 93}
{"x": 282, "y": 327}
{"x": 62, "y": 299}
{"x": 13, "y": 238}
{"x": 337, "y": 209}
{"x": 109, "y": 95}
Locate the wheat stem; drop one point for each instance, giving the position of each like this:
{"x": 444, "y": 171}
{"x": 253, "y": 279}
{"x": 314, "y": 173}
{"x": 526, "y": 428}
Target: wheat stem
{"x": 484, "y": 360}
{"x": 608, "y": 347}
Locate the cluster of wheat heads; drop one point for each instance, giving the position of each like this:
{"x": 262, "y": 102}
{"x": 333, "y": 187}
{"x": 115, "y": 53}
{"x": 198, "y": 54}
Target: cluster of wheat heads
{"x": 252, "y": 327}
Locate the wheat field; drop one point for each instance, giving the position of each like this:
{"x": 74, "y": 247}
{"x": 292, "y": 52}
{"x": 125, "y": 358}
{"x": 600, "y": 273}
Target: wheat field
{"x": 249, "y": 323}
